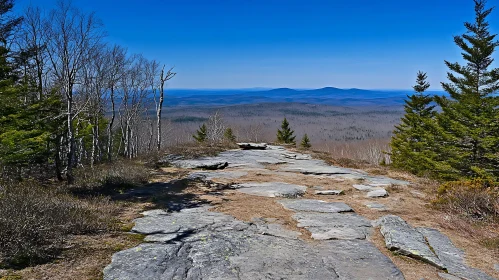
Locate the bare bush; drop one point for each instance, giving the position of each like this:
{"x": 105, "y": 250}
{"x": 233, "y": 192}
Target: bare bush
{"x": 475, "y": 199}
{"x": 374, "y": 152}
{"x": 34, "y": 221}
{"x": 108, "y": 177}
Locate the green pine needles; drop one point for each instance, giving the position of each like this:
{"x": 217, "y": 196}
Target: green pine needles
{"x": 285, "y": 135}
{"x": 413, "y": 136}
{"x": 201, "y": 134}
{"x": 305, "y": 142}
{"x": 462, "y": 139}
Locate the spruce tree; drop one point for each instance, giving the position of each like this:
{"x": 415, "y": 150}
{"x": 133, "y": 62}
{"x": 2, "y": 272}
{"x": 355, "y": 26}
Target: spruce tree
{"x": 229, "y": 135}
{"x": 305, "y": 142}
{"x": 469, "y": 132}
{"x": 285, "y": 134}
{"x": 27, "y": 122}
{"x": 412, "y": 140}
{"x": 201, "y": 134}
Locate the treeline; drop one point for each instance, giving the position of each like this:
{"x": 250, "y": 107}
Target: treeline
{"x": 457, "y": 136}
{"x": 68, "y": 98}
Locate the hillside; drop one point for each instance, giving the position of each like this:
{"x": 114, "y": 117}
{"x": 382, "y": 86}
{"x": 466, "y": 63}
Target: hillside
{"x": 324, "y": 96}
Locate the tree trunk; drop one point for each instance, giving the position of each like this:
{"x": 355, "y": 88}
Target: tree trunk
{"x": 110, "y": 127}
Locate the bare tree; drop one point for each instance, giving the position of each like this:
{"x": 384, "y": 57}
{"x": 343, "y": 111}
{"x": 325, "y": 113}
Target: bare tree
{"x": 164, "y": 77}
{"x": 71, "y": 36}
{"x": 117, "y": 63}
{"x": 215, "y": 128}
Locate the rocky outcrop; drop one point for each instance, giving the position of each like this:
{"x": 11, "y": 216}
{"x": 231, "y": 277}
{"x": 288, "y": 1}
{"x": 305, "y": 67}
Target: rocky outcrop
{"x": 325, "y": 226}
{"x": 210, "y": 164}
{"x": 211, "y": 245}
{"x": 400, "y": 237}
{"x": 451, "y": 256}
{"x": 271, "y": 189}
{"x": 428, "y": 245}
{"x": 312, "y": 205}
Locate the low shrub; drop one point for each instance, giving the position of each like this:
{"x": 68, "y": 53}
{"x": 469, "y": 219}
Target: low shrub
{"x": 477, "y": 199}
{"x": 106, "y": 178}
{"x": 34, "y": 221}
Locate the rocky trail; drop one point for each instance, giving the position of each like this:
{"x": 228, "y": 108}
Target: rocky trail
{"x": 265, "y": 212}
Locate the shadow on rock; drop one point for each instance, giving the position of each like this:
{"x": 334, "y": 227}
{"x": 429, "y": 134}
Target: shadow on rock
{"x": 172, "y": 196}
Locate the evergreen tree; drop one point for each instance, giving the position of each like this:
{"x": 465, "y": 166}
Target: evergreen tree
{"x": 285, "y": 134}
{"x": 229, "y": 135}
{"x": 305, "y": 142}
{"x": 201, "y": 134}
{"x": 412, "y": 140}
{"x": 469, "y": 131}
{"x": 28, "y": 121}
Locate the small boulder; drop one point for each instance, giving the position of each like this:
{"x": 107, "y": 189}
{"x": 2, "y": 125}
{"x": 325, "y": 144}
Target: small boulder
{"x": 330, "y": 192}
{"x": 377, "y": 206}
{"x": 377, "y": 193}
{"x": 252, "y": 146}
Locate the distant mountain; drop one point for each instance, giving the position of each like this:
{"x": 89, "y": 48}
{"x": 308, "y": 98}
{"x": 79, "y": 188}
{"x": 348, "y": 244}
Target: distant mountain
{"x": 326, "y": 96}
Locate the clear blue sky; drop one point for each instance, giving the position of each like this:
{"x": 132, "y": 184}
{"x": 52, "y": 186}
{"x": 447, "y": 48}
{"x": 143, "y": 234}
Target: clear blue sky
{"x": 288, "y": 43}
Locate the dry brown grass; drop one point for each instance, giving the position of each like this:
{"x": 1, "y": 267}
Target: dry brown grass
{"x": 192, "y": 150}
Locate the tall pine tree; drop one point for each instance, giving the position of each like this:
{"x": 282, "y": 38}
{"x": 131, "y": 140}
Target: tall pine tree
{"x": 285, "y": 134}
{"x": 412, "y": 137}
{"x": 469, "y": 132}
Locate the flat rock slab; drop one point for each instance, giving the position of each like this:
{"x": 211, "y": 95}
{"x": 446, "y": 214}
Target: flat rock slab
{"x": 377, "y": 193}
{"x": 210, "y": 164}
{"x": 406, "y": 240}
{"x": 312, "y": 205}
{"x": 364, "y": 188}
{"x": 447, "y": 276}
{"x": 330, "y": 192}
{"x": 289, "y": 161}
{"x": 221, "y": 247}
{"x": 324, "y": 226}
{"x": 272, "y": 189}
{"x": 377, "y": 206}
{"x": 452, "y": 257}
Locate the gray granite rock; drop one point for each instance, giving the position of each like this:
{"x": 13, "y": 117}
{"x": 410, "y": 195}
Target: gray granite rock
{"x": 290, "y": 162}
{"x": 364, "y": 188}
{"x": 312, "y": 205}
{"x": 271, "y": 189}
{"x": 406, "y": 240}
{"x": 210, "y": 164}
{"x": 334, "y": 225}
{"x": 496, "y": 266}
{"x": 448, "y": 276}
{"x": 252, "y": 146}
{"x": 377, "y": 206}
{"x": 380, "y": 185}
{"x": 452, "y": 257}
{"x": 377, "y": 193}
{"x": 217, "y": 249}
{"x": 330, "y": 192}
